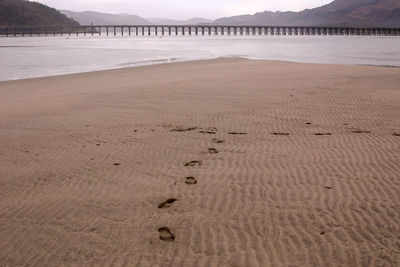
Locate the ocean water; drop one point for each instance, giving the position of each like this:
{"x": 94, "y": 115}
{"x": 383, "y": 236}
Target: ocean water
{"x": 28, "y": 57}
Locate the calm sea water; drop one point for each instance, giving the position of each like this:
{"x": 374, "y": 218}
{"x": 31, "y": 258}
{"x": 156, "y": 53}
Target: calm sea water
{"x": 26, "y": 57}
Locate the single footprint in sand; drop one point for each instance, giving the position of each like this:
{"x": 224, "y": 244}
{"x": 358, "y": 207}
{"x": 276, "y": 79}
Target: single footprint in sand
{"x": 167, "y": 203}
{"x": 361, "y": 132}
{"x": 190, "y": 180}
{"x": 207, "y": 132}
{"x": 218, "y": 141}
{"x": 328, "y": 187}
{"x": 320, "y": 134}
{"x": 308, "y": 123}
{"x": 396, "y": 134}
{"x": 237, "y": 133}
{"x": 212, "y": 129}
{"x": 166, "y": 234}
{"x": 117, "y": 164}
{"x": 181, "y": 129}
{"x": 193, "y": 163}
{"x": 281, "y": 133}
{"x": 212, "y": 151}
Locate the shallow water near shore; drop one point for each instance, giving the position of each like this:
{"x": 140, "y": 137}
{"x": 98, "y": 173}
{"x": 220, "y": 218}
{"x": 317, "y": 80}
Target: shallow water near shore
{"x": 28, "y": 57}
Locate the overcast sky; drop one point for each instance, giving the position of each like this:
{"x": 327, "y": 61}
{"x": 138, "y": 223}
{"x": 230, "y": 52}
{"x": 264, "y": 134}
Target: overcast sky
{"x": 184, "y": 9}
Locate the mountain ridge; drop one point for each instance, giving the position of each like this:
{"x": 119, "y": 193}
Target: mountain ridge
{"x": 366, "y": 13}
{"x": 100, "y": 18}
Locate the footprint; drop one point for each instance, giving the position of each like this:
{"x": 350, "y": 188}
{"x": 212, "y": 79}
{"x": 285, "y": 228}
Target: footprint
{"x": 167, "y": 203}
{"x": 193, "y": 163}
{"x": 308, "y": 123}
{"x": 280, "y": 133}
{"x": 396, "y": 134}
{"x": 361, "y": 132}
{"x": 207, "y": 132}
{"x": 212, "y": 129}
{"x": 212, "y": 151}
{"x": 117, "y": 164}
{"x": 166, "y": 234}
{"x": 237, "y": 133}
{"x": 328, "y": 187}
{"x": 190, "y": 180}
{"x": 320, "y": 134}
{"x": 218, "y": 141}
{"x": 181, "y": 129}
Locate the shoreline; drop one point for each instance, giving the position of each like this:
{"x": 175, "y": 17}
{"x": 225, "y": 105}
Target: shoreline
{"x": 224, "y": 162}
{"x": 175, "y": 61}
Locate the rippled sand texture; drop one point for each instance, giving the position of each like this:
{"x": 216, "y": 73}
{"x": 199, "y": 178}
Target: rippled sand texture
{"x": 227, "y": 162}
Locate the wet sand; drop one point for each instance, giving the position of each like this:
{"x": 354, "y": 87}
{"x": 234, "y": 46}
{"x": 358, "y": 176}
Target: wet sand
{"x": 226, "y": 162}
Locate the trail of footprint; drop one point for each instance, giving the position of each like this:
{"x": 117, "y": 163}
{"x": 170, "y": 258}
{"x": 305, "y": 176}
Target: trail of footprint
{"x": 166, "y": 234}
{"x": 193, "y": 163}
{"x": 167, "y": 203}
{"x": 190, "y": 180}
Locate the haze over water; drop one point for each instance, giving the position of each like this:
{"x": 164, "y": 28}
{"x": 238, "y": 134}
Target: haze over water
{"x": 27, "y": 57}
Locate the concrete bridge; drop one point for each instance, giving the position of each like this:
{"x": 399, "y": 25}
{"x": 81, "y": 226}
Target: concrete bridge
{"x": 188, "y": 30}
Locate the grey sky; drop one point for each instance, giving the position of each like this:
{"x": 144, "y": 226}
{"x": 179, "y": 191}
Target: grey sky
{"x": 184, "y": 9}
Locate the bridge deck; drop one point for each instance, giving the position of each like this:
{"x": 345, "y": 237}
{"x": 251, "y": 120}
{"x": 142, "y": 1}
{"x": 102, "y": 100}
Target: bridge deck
{"x": 52, "y": 30}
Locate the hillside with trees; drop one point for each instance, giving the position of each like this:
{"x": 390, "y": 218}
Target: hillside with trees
{"x": 20, "y": 12}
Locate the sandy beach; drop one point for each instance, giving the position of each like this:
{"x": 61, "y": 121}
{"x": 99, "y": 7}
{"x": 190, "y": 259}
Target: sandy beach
{"x": 227, "y": 162}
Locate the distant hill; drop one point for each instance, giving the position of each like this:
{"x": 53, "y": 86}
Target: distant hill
{"x": 88, "y": 17}
{"x": 368, "y": 13}
{"x": 20, "y": 12}
{"x": 193, "y": 21}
